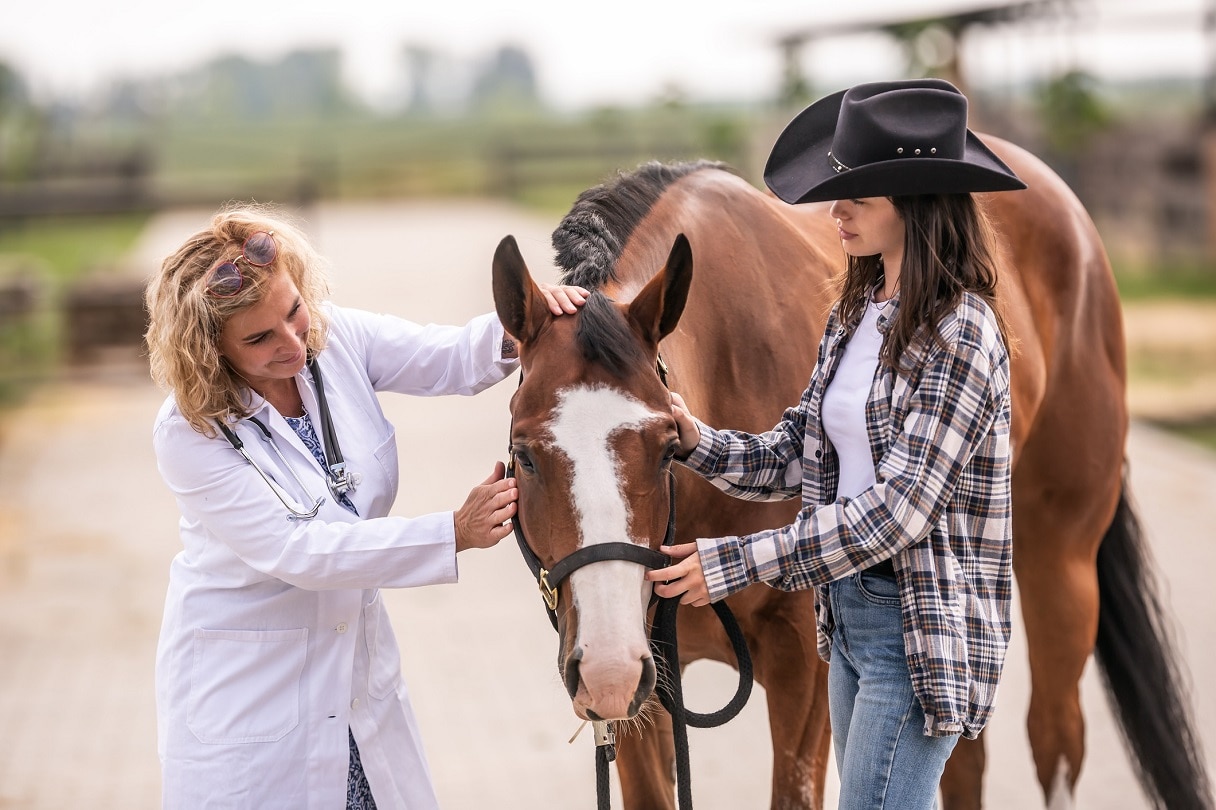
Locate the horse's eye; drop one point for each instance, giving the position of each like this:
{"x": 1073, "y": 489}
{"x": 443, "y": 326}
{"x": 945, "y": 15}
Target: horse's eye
{"x": 669, "y": 453}
{"x": 524, "y": 462}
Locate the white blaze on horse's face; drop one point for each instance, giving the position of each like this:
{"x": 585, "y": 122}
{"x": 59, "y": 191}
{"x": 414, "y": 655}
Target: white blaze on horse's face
{"x": 611, "y": 634}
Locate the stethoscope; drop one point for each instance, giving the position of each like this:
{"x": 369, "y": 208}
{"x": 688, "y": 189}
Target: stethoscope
{"x": 339, "y": 479}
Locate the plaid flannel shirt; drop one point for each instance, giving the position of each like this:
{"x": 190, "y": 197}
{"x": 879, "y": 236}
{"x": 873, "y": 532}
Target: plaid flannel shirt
{"x": 940, "y": 508}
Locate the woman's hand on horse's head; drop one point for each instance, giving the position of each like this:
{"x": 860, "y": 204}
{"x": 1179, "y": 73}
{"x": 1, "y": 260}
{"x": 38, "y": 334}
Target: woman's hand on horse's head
{"x": 690, "y": 434}
{"x": 486, "y": 515}
{"x": 684, "y": 579}
{"x": 563, "y": 298}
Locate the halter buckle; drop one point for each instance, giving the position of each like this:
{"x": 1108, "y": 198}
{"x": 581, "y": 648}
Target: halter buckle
{"x": 548, "y": 592}
{"x": 603, "y": 732}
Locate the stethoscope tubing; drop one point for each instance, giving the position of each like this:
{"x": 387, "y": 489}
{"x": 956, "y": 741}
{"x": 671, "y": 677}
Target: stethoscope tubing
{"x": 292, "y": 512}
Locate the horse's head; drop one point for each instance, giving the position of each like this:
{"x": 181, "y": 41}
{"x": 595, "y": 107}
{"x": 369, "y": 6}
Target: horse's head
{"x": 592, "y": 439}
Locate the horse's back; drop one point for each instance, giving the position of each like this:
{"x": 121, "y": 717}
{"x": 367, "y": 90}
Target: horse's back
{"x": 746, "y": 343}
{"x": 1056, "y": 251}
{"x": 1070, "y": 412}
{"x": 1084, "y": 578}
{"x": 762, "y": 292}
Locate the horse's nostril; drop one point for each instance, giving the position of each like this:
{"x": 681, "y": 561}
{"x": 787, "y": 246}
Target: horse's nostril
{"x": 570, "y": 675}
{"x": 645, "y": 685}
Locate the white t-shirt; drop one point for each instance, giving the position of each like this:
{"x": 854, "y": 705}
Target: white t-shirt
{"x": 844, "y": 405}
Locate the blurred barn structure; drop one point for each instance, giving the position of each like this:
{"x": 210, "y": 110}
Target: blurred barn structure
{"x": 1149, "y": 181}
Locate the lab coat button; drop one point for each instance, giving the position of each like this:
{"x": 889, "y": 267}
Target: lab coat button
{"x": 341, "y": 628}
{"x": 354, "y": 704}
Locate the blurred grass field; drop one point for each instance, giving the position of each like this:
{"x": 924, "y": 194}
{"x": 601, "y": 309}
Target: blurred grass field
{"x": 539, "y": 159}
{"x": 40, "y": 260}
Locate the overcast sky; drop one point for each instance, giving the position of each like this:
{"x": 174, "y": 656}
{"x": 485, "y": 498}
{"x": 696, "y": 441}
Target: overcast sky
{"x": 623, "y": 51}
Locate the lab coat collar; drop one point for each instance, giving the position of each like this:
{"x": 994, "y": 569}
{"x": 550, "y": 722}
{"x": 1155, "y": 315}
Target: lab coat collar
{"x": 259, "y": 406}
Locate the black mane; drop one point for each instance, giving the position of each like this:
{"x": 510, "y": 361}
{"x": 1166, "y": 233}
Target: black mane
{"x": 590, "y": 238}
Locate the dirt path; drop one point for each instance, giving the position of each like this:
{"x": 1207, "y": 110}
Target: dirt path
{"x": 89, "y": 531}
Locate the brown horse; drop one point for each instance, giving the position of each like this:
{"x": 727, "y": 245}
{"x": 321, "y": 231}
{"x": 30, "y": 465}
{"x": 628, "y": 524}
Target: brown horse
{"x": 593, "y": 439}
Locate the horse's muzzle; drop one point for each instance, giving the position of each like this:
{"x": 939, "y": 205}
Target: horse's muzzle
{"x": 609, "y": 692}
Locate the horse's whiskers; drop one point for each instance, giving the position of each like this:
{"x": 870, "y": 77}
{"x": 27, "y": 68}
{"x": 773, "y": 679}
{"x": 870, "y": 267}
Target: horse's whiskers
{"x": 662, "y": 680}
{"x": 637, "y": 724}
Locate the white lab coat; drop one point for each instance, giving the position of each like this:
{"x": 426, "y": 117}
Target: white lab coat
{"x": 274, "y": 639}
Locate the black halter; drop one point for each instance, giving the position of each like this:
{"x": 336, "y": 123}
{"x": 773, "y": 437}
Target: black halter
{"x": 549, "y": 579}
{"x": 663, "y": 639}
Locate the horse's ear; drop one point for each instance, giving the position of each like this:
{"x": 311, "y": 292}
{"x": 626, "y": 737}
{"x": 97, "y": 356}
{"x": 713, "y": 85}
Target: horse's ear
{"x": 517, "y": 299}
{"x": 657, "y": 308}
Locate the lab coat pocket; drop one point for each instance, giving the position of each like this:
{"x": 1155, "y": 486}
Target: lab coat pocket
{"x": 386, "y": 454}
{"x": 245, "y": 685}
{"x": 383, "y": 658}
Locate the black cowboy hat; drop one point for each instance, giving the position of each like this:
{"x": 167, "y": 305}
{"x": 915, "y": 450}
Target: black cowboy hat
{"x": 884, "y": 139}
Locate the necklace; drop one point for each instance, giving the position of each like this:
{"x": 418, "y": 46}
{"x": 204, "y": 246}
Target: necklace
{"x": 881, "y": 305}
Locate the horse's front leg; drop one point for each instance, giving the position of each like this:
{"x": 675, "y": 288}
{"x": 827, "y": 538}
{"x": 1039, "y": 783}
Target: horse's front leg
{"x": 963, "y": 780}
{"x": 801, "y": 740}
{"x": 795, "y": 684}
{"x": 645, "y": 761}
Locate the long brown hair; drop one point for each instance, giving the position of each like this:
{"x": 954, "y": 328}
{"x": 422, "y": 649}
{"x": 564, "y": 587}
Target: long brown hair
{"x": 949, "y": 248}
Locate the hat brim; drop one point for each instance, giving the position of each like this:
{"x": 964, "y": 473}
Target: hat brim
{"x": 800, "y": 171}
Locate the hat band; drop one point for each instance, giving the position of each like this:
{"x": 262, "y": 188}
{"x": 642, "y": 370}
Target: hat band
{"x": 837, "y": 166}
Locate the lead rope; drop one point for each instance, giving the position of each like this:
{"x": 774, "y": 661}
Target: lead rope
{"x": 663, "y": 641}
{"x": 605, "y": 752}
{"x": 664, "y": 646}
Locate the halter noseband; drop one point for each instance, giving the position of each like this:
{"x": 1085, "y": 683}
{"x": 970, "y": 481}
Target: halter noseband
{"x": 549, "y": 579}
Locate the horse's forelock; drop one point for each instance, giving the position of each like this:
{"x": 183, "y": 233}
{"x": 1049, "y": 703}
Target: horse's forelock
{"x": 605, "y": 338}
{"x": 590, "y": 238}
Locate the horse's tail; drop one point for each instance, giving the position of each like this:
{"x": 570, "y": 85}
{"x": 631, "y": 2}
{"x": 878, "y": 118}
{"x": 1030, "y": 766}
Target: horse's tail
{"x": 1139, "y": 665}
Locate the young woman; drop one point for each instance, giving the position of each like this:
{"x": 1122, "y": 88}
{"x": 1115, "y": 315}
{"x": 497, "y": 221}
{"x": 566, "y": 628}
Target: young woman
{"x": 899, "y": 445}
{"x": 278, "y": 677}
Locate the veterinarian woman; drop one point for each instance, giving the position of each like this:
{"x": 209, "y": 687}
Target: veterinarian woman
{"x": 278, "y": 678}
{"x": 899, "y": 446}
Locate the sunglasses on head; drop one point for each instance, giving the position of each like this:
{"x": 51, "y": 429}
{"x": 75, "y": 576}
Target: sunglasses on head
{"x": 225, "y": 280}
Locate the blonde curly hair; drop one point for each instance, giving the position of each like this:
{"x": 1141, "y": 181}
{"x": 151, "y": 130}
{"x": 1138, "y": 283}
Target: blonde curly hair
{"x": 185, "y": 320}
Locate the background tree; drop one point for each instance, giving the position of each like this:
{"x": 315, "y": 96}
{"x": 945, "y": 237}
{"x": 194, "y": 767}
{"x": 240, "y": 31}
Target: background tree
{"x": 507, "y": 81}
{"x": 1071, "y": 112}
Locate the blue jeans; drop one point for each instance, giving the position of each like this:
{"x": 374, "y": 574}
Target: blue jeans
{"x": 882, "y": 754}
